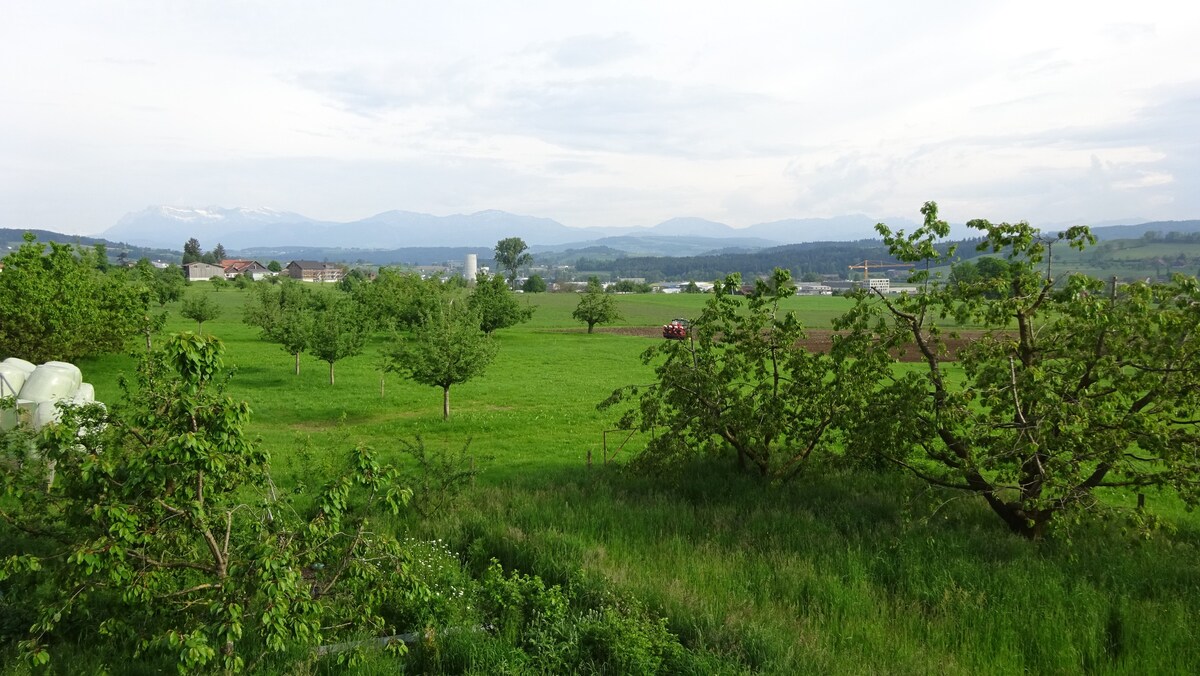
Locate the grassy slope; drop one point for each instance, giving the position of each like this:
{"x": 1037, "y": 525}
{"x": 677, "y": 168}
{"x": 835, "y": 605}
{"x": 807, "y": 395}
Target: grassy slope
{"x": 832, "y": 574}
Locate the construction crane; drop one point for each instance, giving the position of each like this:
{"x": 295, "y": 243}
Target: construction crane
{"x": 866, "y": 266}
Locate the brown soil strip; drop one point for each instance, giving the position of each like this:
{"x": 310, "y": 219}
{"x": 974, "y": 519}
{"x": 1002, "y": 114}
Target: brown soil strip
{"x": 818, "y": 340}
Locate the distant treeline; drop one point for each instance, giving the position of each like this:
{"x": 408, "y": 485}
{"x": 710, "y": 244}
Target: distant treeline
{"x": 11, "y": 238}
{"x": 14, "y": 237}
{"x": 1151, "y": 237}
{"x": 820, "y": 258}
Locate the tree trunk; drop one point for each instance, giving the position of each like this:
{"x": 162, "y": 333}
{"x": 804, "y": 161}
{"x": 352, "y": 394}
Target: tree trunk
{"x": 445, "y": 403}
{"x": 1031, "y": 526}
{"x": 590, "y": 325}
{"x": 297, "y": 363}
{"x": 330, "y": 373}
{"x": 149, "y": 347}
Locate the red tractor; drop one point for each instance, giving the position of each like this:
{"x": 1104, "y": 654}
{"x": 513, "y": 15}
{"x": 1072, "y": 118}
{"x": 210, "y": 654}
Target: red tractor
{"x": 676, "y": 330}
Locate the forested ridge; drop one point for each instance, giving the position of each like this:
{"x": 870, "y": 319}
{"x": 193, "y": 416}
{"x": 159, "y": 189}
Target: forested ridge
{"x": 822, "y": 258}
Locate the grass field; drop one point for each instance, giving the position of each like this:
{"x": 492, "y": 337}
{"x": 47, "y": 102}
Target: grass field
{"x": 554, "y": 309}
{"x": 834, "y": 573}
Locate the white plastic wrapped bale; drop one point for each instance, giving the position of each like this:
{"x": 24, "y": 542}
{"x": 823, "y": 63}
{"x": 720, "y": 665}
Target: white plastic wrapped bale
{"x": 12, "y": 378}
{"x": 51, "y": 381}
{"x": 25, "y": 366}
{"x": 13, "y": 374}
{"x": 27, "y": 412}
{"x": 45, "y": 413}
{"x": 44, "y": 386}
{"x": 68, "y": 366}
{"x": 86, "y": 394}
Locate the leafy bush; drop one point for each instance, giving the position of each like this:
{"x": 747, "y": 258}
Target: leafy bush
{"x": 159, "y": 533}
{"x": 629, "y": 286}
{"x": 55, "y": 304}
{"x": 534, "y": 284}
{"x": 496, "y": 305}
{"x": 623, "y": 639}
{"x": 450, "y": 600}
{"x": 439, "y": 476}
{"x": 616, "y": 636}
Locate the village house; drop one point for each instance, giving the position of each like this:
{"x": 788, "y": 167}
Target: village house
{"x": 314, "y": 271}
{"x": 253, "y": 269}
{"x": 200, "y": 272}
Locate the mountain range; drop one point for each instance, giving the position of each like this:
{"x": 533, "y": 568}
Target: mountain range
{"x": 243, "y": 228}
{"x": 401, "y": 236}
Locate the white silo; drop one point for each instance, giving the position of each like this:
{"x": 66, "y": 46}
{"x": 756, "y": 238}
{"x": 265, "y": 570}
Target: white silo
{"x": 471, "y": 268}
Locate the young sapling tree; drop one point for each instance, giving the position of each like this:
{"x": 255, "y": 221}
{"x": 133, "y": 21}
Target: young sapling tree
{"x": 446, "y": 348}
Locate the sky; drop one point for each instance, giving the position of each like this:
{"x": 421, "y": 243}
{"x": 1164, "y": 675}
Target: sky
{"x": 601, "y": 114}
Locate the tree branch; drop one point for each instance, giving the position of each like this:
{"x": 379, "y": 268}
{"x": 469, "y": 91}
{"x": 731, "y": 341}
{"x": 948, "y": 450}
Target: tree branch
{"x": 171, "y": 564}
{"x": 930, "y": 479}
{"x": 1096, "y": 477}
{"x": 345, "y": 562}
{"x": 199, "y": 587}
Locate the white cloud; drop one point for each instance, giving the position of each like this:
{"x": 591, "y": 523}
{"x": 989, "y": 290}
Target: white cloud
{"x": 590, "y": 51}
{"x": 615, "y": 113}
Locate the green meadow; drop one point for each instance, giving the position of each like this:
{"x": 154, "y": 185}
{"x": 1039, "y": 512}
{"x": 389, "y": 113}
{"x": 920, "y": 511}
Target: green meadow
{"x": 836, "y": 572}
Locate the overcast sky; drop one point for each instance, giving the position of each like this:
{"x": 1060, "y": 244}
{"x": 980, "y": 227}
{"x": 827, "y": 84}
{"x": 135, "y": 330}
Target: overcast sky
{"x": 614, "y": 114}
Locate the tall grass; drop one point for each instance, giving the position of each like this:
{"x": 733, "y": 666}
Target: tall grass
{"x": 851, "y": 574}
{"x": 835, "y": 573}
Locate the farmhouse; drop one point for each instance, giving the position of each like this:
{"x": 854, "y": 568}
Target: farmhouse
{"x": 199, "y": 272}
{"x": 814, "y": 290}
{"x": 681, "y": 287}
{"x": 314, "y": 271}
{"x": 253, "y": 269}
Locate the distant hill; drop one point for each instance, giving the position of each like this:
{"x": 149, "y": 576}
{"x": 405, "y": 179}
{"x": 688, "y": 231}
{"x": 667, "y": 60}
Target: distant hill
{"x": 166, "y": 226}
{"x": 17, "y": 235}
{"x": 11, "y": 238}
{"x": 401, "y": 256}
{"x": 824, "y": 258}
{"x": 1140, "y": 230}
{"x": 570, "y": 256}
{"x": 661, "y": 244}
{"x": 690, "y": 227}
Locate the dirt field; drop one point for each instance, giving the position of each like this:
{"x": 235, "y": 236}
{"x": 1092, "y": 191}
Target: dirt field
{"x": 819, "y": 340}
